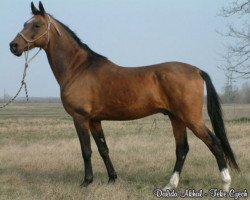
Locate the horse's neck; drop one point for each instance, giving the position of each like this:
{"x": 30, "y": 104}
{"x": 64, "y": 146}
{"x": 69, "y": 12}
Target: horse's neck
{"x": 63, "y": 52}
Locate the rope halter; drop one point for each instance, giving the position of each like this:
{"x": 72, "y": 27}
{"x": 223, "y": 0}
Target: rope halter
{"x": 50, "y": 22}
{"x": 27, "y": 60}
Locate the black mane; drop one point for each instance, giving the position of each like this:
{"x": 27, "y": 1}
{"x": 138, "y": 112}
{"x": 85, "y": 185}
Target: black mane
{"x": 80, "y": 43}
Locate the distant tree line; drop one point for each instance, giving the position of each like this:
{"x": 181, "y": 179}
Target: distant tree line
{"x": 232, "y": 94}
{"x": 7, "y": 97}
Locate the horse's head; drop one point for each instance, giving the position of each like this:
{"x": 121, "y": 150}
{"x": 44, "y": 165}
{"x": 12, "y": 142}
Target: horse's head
{"x": 35, "y": 32}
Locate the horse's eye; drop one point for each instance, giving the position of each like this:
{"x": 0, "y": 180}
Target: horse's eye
{"x": 37, "y": 26}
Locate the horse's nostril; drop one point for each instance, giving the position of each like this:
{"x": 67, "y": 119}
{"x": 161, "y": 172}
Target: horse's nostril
{"x": 13, "y": 46}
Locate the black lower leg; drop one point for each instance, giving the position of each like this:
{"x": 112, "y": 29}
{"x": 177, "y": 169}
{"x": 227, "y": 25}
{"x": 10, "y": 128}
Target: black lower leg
{"x": 215, "y": 147}
{"x": 88, "y": 177}
{"x": 110, "y": 169}
{"x": 84, "y": 138}
{"x": 181, "y": 152}
{"x": 99, "y": 138}
{"x": 104, "y": 152}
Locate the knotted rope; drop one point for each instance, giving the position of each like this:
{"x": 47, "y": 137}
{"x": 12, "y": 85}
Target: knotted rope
{"x": 23, "y": 82}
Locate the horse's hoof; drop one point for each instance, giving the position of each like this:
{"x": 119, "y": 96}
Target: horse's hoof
{"x": 86, "y": 182}
{"x": 168, "y": 187}
{"x": 112, "y": 178}
{"x": 226, "y": 187}
{"x": 173, "y": 182}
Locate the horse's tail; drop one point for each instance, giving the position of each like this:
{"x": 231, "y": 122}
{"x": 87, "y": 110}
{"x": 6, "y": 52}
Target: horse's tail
{"x": 215, "y": 114}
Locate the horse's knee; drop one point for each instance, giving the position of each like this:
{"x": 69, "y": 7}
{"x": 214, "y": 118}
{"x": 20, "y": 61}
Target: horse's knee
{"x": 86, "y": 153}
{"x": 104, "y": 152}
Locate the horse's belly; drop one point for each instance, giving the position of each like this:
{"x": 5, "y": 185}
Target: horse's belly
{"x": 131, "y": 112}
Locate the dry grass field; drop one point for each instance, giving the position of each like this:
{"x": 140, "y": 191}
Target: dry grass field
{"x": 40, "y": 155}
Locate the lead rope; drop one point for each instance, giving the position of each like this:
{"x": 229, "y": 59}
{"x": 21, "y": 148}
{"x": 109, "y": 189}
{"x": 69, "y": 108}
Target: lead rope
{"x": 23, "y": 82}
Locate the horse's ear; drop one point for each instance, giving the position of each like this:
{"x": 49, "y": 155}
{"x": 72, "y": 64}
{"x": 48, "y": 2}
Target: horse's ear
{"x": 42, "y": 10}
{"x": 34, "y": 10}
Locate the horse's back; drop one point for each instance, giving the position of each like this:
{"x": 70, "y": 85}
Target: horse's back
{"x": 175, "y": 87}
{"x": 134, "y": 92}
{"x": 111, "y": 92}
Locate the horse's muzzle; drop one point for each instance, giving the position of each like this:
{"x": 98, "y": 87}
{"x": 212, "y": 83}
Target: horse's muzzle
{"x": 14, "y": 49}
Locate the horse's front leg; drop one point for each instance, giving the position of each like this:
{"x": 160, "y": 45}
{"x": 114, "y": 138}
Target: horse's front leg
{"x": 98, "y": 135}
{"x": 82, "y": 128}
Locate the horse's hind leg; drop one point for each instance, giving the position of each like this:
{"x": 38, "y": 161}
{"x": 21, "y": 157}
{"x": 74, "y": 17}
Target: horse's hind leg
{"x": 97, "y": 133}
{"x": 180, "y": 135}
{"x": 213, "y": 143}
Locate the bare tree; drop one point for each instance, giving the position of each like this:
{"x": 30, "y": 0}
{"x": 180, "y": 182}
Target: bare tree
{"x": 239, "y": 50}
{"x": 245, "y": 93}
{"x": 230, "y": 91}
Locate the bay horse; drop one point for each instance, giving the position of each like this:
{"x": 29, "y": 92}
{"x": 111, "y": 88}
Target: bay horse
{"x": 93, "y": 89}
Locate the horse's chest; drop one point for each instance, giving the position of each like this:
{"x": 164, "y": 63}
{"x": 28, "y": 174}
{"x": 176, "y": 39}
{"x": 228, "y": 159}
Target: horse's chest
{"x": 76, "y": 102}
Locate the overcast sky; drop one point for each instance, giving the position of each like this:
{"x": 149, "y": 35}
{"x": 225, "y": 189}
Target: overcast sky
{"x": 128, "y": 32}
